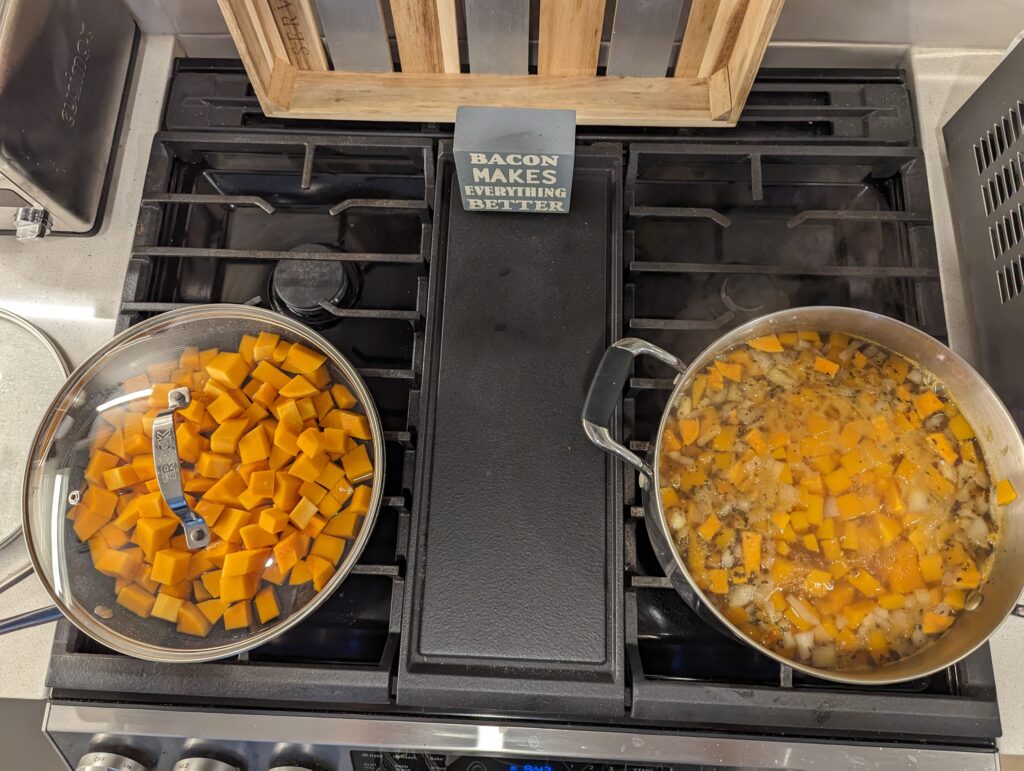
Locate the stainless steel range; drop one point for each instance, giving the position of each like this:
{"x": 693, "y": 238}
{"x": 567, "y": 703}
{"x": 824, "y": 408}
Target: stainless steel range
{"x": 508, "y": 613}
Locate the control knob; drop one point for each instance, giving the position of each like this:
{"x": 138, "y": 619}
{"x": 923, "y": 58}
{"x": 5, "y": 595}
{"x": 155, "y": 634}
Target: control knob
{"x": 107, "y": 761}
{"x": 203, "y": 764}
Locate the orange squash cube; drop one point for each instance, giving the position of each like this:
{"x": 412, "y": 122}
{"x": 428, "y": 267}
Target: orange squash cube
{"x": 265, "y": 395}
{"x": 266, "y": 604}
{"x": 119, "y": 477}
{"x": 297, "y": 388}
{"x": 320, "y": 570}
{"x": 254, "y": 446}
{"x": 289, "y": 550}
{"x": 119, "y": 563}
{"x": 308, "y": 467}
{"x": 228, "y": 368}
{"x": 230, "y": 524}
{"x": 287, "y": 437}
{"x": 227, "y": 490}
{"x": 343, "y": 396}
{"x": 311, "y": 442}
{"x": 274, "y": 574}
{"x": 136, "y": 599}
{"x": 302, "y": 360}
{"x": 225, "y": 439}
{"x": 210, "y": 511}
{"x": 273, "y": 520}
{"x": 255, "y": 537}
{"x": 228, "y": 405}
{"x": 245, "y": 561}
{"x": 153, "y": 535}
{"x": 300, "y": 574}
{"x": 313, "y": 492}
{"x": 316, "y": 524}
{"x": 302, "y": 512}
{"x": 194, "y": 412}
{"x": 286, "y": 491}
{"x": 170, "y": 566}
{"x": 341, "y": 525}
{"x": 212, "y": 609}
{"x": 236, "y": 588}
{"x": 190, "y": 443}
{"x": 329, "y": 505}
{"x": 238, "y": 616}
{"x": 112, "y": 536}
{"x": 323, "y": 402}
{"x": 356, "y": 425}
{"x": 191, "y": 621}
{"x": 144, "y": 468}
{"x": 266, "y": 372}
{"x": 329, "y": 547}
{"x": 360, "y": 500}
{"x": 199, "y": 591}
{"x": 213, "y": 465}
{"x": 166, "y": 607}
{"x": 334, "y": 440}
{"x": 211, "y": 582}
{"x": 264, "y": 347}
{"x": 356, "y": 463}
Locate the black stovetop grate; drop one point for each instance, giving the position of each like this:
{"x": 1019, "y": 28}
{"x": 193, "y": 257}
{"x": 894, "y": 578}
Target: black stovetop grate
{"x": 818, "y": 196}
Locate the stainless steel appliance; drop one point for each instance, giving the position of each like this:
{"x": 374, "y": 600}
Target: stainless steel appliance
{"x": 64, "y": 67}
{"x": 508, "y": 612}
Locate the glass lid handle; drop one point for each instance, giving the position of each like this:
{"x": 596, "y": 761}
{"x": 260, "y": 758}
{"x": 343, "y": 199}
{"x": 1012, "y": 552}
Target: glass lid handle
{"x": 168, "y": 470}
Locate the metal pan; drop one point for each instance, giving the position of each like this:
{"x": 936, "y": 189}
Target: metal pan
{"x": 998, "y": 435}
{"x": 54, "y": 482}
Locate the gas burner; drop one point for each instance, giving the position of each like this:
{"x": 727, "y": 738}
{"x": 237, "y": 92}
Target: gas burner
{"x": 311, "y": 290}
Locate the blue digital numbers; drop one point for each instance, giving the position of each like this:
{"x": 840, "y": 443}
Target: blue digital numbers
{"x": 529, "y": 767}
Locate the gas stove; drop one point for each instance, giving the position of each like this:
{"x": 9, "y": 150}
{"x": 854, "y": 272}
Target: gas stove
{"x": 508, "y": 613}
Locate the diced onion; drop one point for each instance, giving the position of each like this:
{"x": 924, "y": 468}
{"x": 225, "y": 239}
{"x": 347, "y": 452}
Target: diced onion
{"x": 740, "y": 595}
{"x": 917, "y": 500}
{"x": 923, "y": 597}
{"x": 831, "y": 506}
{"x": 823, "y": 657}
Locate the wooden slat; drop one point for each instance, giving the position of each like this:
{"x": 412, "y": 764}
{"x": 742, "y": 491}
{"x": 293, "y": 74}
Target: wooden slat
{"x": 241, "y": 25}
{"x": 296, "y": 22}
{"x": 569, "y": 39}
{"x": 720, "y": 94}
{"x": 748, "y": 51}
{"x": 709, "y": 37}
{"x": 448, "y": 32}
{"x": 418, "y": 35}
{"x": 424, "y": 97}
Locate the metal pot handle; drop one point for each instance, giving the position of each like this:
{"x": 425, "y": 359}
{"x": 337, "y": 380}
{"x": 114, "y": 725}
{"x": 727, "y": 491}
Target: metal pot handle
{"x": 30, "y": 618}
{"x": 606, "y": 389}
{"x": 168, "y": 469}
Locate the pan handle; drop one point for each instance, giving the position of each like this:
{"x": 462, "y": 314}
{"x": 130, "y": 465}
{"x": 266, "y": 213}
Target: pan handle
{"x": 1018, "y": 610}
{"x": 606, "y": 390}
{"x": 30, "y": 618}
{"x": 168, "y": 469}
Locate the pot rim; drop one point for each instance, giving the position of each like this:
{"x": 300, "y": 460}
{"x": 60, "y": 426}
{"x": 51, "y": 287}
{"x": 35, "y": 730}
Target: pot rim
{"x": 43, "y": 438}
{"x": 662, "y": 538}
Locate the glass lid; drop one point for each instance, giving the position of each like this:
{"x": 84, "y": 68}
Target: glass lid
{"x": 202, "y": 482}
{"x": 32, "y": 370}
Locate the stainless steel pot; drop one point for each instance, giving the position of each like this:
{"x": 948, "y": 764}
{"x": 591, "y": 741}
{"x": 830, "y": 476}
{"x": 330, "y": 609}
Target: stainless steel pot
{"x": 54, "y": 481}
{"x": 997, "y": 434}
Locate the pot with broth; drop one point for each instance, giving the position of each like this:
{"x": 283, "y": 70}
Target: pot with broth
{"x": 829, "y": 498}
{"x": 837, "y": 488}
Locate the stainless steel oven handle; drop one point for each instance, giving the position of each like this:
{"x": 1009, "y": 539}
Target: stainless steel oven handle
{"x": 606, "y": 389}
{"x": 168, "y": 470}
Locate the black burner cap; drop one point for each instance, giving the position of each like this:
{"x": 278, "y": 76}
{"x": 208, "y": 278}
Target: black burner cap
{"x": 301, "y": 288}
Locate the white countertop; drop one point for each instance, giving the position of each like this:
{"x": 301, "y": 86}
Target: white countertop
{"x": 71, "y": 288}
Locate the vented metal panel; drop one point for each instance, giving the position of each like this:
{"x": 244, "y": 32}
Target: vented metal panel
{"x": 985, "y": 145}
